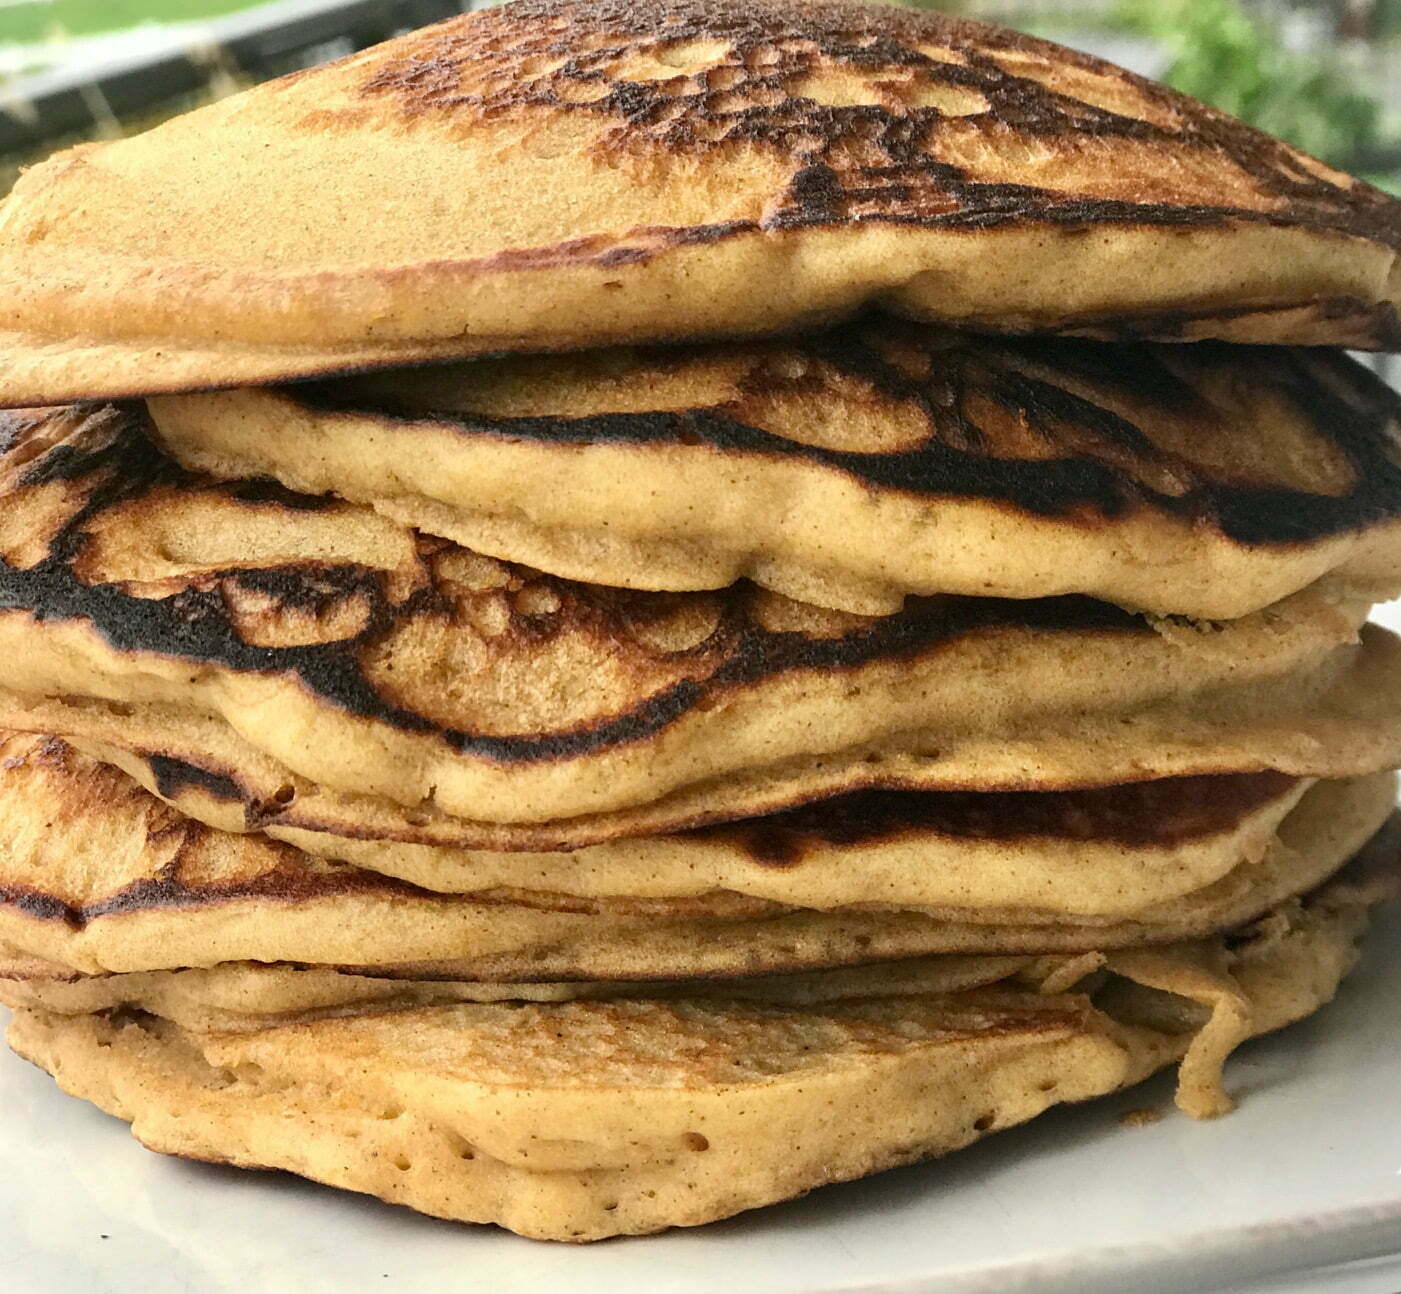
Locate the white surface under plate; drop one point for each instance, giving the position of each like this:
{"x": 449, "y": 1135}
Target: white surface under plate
{"x": 1298, "y": 1190}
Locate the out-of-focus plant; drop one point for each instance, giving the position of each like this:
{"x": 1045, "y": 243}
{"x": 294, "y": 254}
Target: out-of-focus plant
{"x": 1224, "y": 57}
{"x": 1363, "y": 19}
{"x": 1387, "y": 18}
{"x": 944, "y": 6}
{"x": 27, "y": 21}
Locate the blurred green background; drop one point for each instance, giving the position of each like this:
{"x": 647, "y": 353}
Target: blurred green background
{"x": 1323, "y": 74}
{"x": 38, "y": 20}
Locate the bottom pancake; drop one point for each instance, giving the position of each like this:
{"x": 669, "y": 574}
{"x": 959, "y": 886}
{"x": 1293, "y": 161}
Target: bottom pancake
{"x": 584, "y": 1119}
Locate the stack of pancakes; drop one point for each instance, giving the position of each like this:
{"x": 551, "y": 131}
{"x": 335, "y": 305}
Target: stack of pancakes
{"x": 856, "y": 640}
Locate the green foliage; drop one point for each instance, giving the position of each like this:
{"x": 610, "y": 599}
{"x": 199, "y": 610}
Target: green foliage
{"x": 1221, "y": 56}
{"x": 1388, "y": 18}
{"x": 39, "y": 19}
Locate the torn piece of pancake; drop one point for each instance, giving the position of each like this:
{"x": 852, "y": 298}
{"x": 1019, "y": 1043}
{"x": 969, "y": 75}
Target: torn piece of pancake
{"x": 96, "y": 875}
{"x": 555, "y": 174}
{"x": 855, "y": 466}
{"x": 385, "y": 665}
{"x": 582, "y": 1119}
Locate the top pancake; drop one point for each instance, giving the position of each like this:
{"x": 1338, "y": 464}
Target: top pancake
{"x": 856, "y": 465}
{"x": 550, "y": 175}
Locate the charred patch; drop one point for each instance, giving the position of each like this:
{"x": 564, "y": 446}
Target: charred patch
{"x": 882, "y": 160}
{"x": 265, "y": 490}
{"x": 1153, "y": 814}
{"x": 1350, "y": 412}
{"x": 196, "y": 624}
{"x": 307, "y": 587}
{"x": 1369, "y": 325}
{"x": 290, "y": 880}
{"x": 173, "y": 777}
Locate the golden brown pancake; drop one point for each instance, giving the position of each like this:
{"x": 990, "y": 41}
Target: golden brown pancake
{"x": 1103, "y": 852}
{"x": 852, "y": 467}
{"x": 554, "y": 174}
{"x": 583, "y": 1119}
{"x": 96, "y": 876}
{"x": 380, "y": 664}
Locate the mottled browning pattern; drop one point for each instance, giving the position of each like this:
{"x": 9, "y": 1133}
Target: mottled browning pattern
{"x": 562, "y": 175}
{"x": 75, "y": 478}
{"x": 196, "y": 871}
{"x": 1055, "y": 427}
{"x": 874, "y": 107}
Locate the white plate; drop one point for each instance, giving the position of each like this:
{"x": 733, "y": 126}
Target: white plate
{"x": 1300, "y": 1189}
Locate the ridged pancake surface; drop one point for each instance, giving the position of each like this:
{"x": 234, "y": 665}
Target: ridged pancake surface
{"x": 852, "y": 467}
{"x": 375, "y": 662}
{"x": 95, "y": 875}
{"x": 552, "y": 174}
{"x": 579, "y": 1120}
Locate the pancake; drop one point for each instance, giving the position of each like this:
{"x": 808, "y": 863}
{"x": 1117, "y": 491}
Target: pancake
{"x": 241, "y": 996}
{"x": 96, "y": 876}
{"x": 238, "y": 996}
{"x": 553, "y": 174}
{"x": 1104, "y": 852}
{"x": 375, "y": 662}
{"x": 1101, "y": 853}
{"x": 1340, "y": 719}
{"x": 852, "y": 467}
{"x": 580, "y": 1120}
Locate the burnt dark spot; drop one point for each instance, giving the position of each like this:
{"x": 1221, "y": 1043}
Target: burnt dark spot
{"x": 869, "y": 162}
{"x": 1346, "y": 408}
{"x": 197, "y": 625}
{"x": 288, "y": 879}
{"x": 312, "y": 587}
{"x": 814, "y": 195}
{"x": 174, "y": 776}
{"x": 263, "y": 489}
{"x": 1145, "y": 814}
{"x": 33, "y": 903}
{"x": 94, "y": 441}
